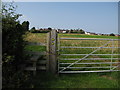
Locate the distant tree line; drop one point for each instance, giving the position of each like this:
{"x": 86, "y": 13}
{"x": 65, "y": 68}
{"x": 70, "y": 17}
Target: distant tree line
{"x": 112, "y": 34}
{"x": 80, "y": 31}
{"x": 34, "y": 30}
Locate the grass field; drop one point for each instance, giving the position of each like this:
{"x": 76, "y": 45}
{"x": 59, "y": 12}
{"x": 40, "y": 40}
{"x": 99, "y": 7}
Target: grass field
{"x": 86, "y": 36}
{"x": 41, "y": 37}
{"x": 89, "y": 80}
{"x": 83, "y": 80}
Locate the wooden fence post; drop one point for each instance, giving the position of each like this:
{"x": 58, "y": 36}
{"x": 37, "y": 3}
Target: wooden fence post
{"x": 48, "y": 51}
{"x": 52, "y": 47}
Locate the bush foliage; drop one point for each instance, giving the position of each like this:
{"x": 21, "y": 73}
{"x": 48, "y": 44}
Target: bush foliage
{"x": 13, "y": 55}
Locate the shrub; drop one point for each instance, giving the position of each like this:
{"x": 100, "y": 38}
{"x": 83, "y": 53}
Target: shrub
{"x": 13, "y": 55}
{"x": 112, "y": 34}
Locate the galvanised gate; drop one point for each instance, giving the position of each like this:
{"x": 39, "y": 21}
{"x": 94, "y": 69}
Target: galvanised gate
{"x": 79, "y": 55}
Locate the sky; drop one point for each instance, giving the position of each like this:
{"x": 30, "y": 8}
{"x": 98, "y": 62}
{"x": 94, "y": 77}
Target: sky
{"x": 98, "y": 17}
{"x": 61, "y": 0}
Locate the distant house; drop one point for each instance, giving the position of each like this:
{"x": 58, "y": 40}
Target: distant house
{"x": 61, "y": 31}
{"x": 117, "y": 35}
{"x": 93, "y": 34}
{"x": 88, "y": 33}
{"x": 99, "y": 34}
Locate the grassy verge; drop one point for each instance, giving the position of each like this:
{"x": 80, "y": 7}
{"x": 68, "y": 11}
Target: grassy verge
{"x": 84, "y": 80}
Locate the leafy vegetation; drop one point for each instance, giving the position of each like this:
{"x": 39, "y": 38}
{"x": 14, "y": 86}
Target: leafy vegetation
{"x": 112, "y": 34}
{"x": 13, "y": 55}
{"x": 80, "y": 31}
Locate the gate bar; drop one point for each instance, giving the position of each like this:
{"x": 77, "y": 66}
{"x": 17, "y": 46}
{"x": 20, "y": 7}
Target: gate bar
{"x": 85, "y": 56}
{"x": 86, "y": 47}
{"x": 88, "y": 71}
{"x": 88, "y": 67}
{"x": 94, "y": 63}
{"x": 89, "y": 58}
{"x": 87, "y": 39}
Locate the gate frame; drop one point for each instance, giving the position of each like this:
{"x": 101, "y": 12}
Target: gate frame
{"x": 97, "y": 48}
{"x": 53, "y": 48}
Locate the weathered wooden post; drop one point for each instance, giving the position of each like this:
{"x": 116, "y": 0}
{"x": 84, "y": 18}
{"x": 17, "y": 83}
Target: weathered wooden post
{"x": 48, "y": 51}
{"x": 51, "y": 48}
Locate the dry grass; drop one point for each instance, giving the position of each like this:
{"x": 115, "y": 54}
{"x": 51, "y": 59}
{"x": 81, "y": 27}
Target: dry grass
{"x": 35, "y": 37}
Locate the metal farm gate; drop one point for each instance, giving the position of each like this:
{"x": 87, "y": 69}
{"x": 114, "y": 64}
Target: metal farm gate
{"x": 79, "y": 55}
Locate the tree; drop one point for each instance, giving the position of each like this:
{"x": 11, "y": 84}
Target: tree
{"x": 33, "y": 30}
{"x": 25, "y": 25}
{"x": 82, "y": 31}
{"x": 71, "y": 30}
{"x": 112, "y": 34}
{"x": 49, "y": 28}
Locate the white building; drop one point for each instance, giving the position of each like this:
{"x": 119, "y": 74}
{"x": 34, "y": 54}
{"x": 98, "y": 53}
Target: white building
{"x": 88, "y": 33}
{"x": 63, "y": 31}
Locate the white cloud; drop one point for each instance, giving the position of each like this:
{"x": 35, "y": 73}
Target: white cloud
{"x": 61, "y": 0}
{"x": 24, "y": 18}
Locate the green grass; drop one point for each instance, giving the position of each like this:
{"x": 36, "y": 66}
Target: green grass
{"x": 35, "y": 48}
{"x": 86, "y": 36}
{"x": 82, "y": 80}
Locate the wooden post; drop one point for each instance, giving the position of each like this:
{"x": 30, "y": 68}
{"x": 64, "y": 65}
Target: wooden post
{"x": 53, "y": 52}
{"x": 48, "y": 51}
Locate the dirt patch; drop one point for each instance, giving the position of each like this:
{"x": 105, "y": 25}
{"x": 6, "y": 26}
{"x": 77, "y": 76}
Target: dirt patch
{"x": 108, "y": 77}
